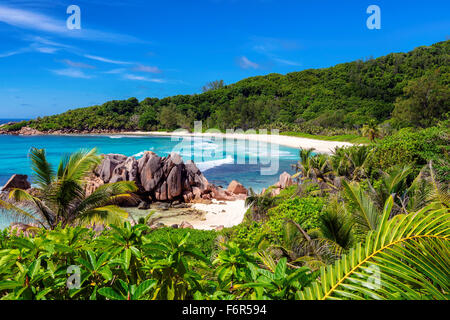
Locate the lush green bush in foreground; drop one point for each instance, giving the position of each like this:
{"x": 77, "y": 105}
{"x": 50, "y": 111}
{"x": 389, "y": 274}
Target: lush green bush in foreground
{"x": 405, "y": 257}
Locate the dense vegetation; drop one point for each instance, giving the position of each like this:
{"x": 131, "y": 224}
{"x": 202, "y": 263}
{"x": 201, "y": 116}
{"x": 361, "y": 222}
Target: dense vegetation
{"x": 366, "y": 222}
{"x": 351, "y": 228}
{"x": 398, "y": 90}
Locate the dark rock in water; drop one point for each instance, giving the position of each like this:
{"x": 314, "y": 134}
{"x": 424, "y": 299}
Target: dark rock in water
{"x": 125, "y": 171}
{"x": 17, "y": 181}
{"x": 150, "y": 170}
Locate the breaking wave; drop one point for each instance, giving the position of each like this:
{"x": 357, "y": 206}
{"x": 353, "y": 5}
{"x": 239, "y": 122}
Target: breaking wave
{"x": 206, "y": 165}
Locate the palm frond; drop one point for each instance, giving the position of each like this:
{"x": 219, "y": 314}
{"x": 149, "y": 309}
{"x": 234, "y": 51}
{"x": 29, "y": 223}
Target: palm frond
{"x": 42, "y": 209}
{"x": 365, "y": 213}
{"x": 336, "y": 225}
{"x": 43, "y": 172}
{"x": 404, "y": 258}
{"x": 103, "y": 215}
{"x": 78, "y": 165}
{"x": 15, "y": 213}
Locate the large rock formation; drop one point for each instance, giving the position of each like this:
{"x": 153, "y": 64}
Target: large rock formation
{"x": 237, "y": 188}
{"x": 284, "y": 181}
{"x": 162, "y": 178}
{"x": 17, "y": 181}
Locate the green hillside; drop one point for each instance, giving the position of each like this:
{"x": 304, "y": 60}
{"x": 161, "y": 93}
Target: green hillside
{"x": 397, "y": 90}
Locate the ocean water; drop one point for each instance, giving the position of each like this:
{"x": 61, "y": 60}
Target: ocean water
{"x": 2, "y": 121}
{"x": 253, "y": 164}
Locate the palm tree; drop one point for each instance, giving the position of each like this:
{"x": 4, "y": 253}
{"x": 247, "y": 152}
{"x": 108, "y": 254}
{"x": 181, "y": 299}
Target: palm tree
{"x": 426, "y": 189}
{"x": 302, "y": 167}
{"x": 60, "y": 197}
{"x": 371, "y": 131}
{"x": 260, "y": 203}
{"x": 336, "y": 225}
{"x": 394, "y": 183}
{"x": 406, "y": 257}
{"x": 364, "y": 211}
{"x": 351, "y": 162}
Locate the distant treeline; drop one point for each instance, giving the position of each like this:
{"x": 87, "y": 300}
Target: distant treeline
{"x": 398, "y": 90}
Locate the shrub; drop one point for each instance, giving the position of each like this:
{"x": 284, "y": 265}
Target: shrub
{"x": 203, "y": 240}
{"x": 416, "y": 148}
{"x": 305, "y": 211}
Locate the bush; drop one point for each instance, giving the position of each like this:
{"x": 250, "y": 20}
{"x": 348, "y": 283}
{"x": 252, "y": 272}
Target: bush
{"x": 415, "y": 147}
{"x": 246, "y": 234}
{"x": 203, "y": 240}
{"x": 305, "y": 211}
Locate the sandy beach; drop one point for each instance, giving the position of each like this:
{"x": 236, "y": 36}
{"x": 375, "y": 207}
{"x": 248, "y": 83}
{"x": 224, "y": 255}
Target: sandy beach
{"x": 223, "y": 213}
{"x": 320, "y": 146}
{"x": 199, "y": 215}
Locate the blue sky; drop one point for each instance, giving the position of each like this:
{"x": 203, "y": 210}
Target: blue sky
{"x": 141, "y": 48}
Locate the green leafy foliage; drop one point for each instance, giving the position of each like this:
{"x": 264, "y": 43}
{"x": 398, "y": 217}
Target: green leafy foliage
{"x": 416, "y": 148}
{"x": 305, "y": 211}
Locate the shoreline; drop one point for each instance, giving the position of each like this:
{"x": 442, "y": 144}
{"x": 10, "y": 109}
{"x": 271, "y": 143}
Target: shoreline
{"x": 320, "y": 146}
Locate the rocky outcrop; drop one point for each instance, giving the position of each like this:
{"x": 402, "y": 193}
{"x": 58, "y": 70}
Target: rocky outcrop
{"x": 284, "y": 181}
{"x": 237, "y": 188}
{"x": 17, "y": 181}
{"x": 24, "y": 131}
{"x": 92, "y": 183}
{"x": 163, "y": 179}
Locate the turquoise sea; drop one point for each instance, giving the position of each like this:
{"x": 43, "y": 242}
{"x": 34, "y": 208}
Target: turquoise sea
{"x": 221, "y": 161}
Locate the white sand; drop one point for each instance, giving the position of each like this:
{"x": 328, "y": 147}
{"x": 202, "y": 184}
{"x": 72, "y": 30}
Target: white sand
{"x": 320, "y": 146}
{"x": 229, "y": 214}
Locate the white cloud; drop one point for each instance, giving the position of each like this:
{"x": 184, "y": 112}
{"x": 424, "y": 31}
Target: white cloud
{"x": 47, "y": 49}
{"x": 115, "y": 71}
{"x": 148, "y": 69}
{"x": 13, "y": 53}
{"x": 77, "y": 64}
{"x": 72, "y": 73}
{"x": 105, "y": 59}
{"x": 244, "y": 63}
{"x": 287, "y": 62}
{"x": 27, "y": 19}
{"x": 140, "y": 78}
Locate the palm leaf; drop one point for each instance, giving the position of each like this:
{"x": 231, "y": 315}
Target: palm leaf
{"x": 365, "y": 214}
{"x": 78, "y": 164}
{"x": 405, "y": 258}
{"x": 43, "y": 172}
{"x": 108, "y": 214}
